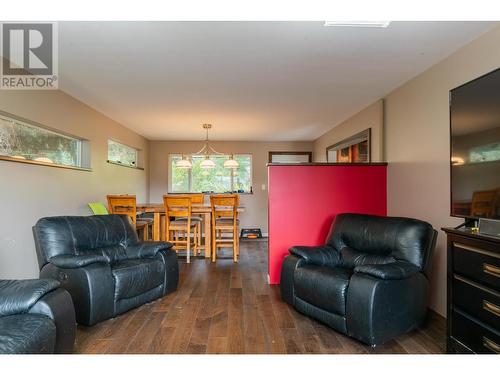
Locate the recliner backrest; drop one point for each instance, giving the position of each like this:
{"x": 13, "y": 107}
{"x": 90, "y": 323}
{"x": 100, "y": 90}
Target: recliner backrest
{"x": 406, "y": 239}
{"x": 76, "y": 235}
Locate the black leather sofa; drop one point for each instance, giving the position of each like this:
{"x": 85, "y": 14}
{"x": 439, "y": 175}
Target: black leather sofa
{"x": 102, "y": 264}
{"x": 368, "y": 281}
{"x": 36, "y": 316}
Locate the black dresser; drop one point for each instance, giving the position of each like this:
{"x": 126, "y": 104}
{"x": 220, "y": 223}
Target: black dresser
{"x": 473, "y": 292}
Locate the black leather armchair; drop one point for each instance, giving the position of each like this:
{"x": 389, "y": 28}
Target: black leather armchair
{"x": 368, "y": 281}
{"x": 102, "y": 264}
{"x": 36, "y": 316}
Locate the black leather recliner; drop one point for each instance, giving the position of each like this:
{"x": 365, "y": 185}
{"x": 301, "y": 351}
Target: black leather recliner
{"x": 102, "y": 264}
{"x": 36, "y": 316}
{"x": 368, "y": 281}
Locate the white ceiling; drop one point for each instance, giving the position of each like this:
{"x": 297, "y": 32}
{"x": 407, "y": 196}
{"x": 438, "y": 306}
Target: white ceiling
{"x": 271, "y": 81}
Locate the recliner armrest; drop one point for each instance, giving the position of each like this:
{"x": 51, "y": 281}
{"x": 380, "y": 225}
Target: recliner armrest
{"x": 390, "y": 271}
{"x": 18, "y": 296}
{"x": 147, "y": 249}
{"x": 76, "y": 261}
{"x": 317, "y": 255}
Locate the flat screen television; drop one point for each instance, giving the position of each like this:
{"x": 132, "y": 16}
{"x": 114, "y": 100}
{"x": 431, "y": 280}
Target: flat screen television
{"x": 475, "y": 148}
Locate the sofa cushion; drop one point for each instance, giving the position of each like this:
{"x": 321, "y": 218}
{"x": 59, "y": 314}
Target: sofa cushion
{"x": 136, "y": 276}
{"x": 323, "y": 287}
{"x": 27, "y": 334}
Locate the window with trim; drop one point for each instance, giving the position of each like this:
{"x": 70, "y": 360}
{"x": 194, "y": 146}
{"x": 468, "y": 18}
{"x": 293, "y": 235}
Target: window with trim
{"x": 121, "y": 154}
{"x": 216, "y": 180}
{"x": 25, "y": 141}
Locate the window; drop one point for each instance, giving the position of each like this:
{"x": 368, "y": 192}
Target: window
{"x": 355, "y": 149}
{"x": 121, "y": 154}
{"x": 24, "y": 141}
{"x": 290, "y": 157}
{"x": 216, "y": 180}
{"x": 485, "y": 153}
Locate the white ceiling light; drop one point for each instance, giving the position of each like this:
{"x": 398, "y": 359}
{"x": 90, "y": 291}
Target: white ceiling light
{"x": 358, "y": 23}
{"x": 231, "y": 163}
{"x": 207, "y": 163}
{"x": 207, "y": 150}
{"x": 184, "y": 163}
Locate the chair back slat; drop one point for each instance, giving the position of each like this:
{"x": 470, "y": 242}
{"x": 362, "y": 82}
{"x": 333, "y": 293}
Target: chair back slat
{"x": 225, "y": 205}
{"x": 177, "y": 206}
{"x": 123, "y": 205}
{"x": 197, "y": 198}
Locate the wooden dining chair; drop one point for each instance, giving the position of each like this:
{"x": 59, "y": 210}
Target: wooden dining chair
{"x": 483, "y": 203}
{"x": 178, "y": 224}
{"x": 196, "y": 199}
{"x": 225, "y": 221}
{"x": 127, "y": 205}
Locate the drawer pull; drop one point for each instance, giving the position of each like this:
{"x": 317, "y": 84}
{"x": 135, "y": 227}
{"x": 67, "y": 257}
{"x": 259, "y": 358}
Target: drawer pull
{"x": 491, "y": 270}
{"x": 491, "y": 345}
{"x": 491, "y": 307}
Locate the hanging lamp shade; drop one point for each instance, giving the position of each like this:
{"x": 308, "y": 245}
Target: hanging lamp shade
{"x": 231, "y": 163}
{"x": 184, "y": 163}
{"x": 207, "y": 163}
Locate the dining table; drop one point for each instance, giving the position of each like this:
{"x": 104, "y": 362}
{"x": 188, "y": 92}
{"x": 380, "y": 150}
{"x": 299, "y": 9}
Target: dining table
{"x": 204, "y": 210}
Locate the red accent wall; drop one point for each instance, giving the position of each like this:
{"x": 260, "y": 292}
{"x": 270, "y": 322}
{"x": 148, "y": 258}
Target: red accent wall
{"x": 303, "y": 201}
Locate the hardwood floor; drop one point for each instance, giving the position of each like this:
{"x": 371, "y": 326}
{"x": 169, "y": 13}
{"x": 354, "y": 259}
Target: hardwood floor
{"x": 230, "y": 308}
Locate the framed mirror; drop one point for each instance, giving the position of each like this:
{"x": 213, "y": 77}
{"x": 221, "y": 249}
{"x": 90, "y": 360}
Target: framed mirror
{"x": 355, "y": 149}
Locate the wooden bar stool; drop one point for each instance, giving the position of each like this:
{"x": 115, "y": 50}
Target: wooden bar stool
{"x": 196, "y": 199}
{"x": 178, "y": 231}
{"x": 225, "y": 221}
{"x": 127, "y": 205}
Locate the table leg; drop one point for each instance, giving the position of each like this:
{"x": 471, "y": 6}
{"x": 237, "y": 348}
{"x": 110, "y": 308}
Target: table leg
{"x": 208, "y": 234}
{"x": 156, "y": 226}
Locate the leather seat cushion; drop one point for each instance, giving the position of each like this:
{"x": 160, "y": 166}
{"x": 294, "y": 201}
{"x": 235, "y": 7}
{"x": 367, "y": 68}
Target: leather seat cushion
{"x": 323, "y": 287}
{"x": 27, "y": 334}
{"x": 136, "y": 276}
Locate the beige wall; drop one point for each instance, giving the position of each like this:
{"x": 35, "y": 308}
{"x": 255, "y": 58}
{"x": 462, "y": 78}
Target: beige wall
{"x": 28, "y": 192}
{"x": 416, "y": 143}
{"x": 255, "y": 215}
{"x": 370, "y": 117}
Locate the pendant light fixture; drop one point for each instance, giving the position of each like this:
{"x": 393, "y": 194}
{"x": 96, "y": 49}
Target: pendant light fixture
{"x": 231, "y": 163}
{"x": 207, "y": 150}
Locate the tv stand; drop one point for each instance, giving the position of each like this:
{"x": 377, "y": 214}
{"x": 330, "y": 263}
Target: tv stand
{"x": 473, "y": 324}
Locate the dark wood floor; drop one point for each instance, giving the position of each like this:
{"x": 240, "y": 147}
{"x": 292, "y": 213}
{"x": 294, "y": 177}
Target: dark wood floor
{"x": 230, "y": 308}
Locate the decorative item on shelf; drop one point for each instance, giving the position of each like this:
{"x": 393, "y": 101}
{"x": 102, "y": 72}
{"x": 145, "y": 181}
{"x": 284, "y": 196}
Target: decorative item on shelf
{"x": 207, "y": 150}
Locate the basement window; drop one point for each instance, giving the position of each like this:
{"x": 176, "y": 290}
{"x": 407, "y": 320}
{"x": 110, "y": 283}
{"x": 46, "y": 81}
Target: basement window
{"x": 25, "y": 141}
{"x": 121, "y": 154}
